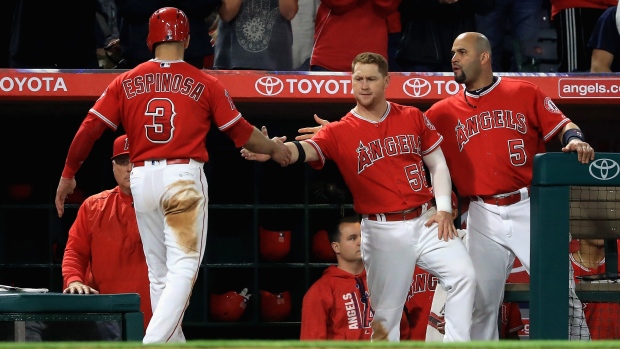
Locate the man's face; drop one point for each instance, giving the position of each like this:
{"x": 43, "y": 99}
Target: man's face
{"x": 465, "y": 60}
{"x": 368, "y": 84}
{"x": 121, "y": 166}
{"x": 348, "y": 247}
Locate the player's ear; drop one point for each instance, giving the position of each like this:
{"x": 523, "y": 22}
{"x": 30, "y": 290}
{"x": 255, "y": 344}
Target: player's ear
{"x": 485, "y": 57}
{"x": 336, "y": 247}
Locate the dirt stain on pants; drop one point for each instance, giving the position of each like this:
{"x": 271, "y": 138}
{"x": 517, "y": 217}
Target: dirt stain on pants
{"x": 378, "y": 332}
{"x": 181, "y": 205}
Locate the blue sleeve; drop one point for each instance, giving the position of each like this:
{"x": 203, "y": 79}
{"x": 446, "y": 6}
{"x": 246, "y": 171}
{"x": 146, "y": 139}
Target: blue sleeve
{"x": 605, "y": 35}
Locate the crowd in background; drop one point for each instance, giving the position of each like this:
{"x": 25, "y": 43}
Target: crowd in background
{"x": 316, "y": 35}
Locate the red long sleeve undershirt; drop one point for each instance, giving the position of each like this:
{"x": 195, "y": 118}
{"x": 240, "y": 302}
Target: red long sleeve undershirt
{"x": 89, "y": 132}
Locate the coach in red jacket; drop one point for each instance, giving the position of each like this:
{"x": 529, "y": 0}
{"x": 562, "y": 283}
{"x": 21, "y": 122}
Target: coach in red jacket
{"x": 104, "y": 252}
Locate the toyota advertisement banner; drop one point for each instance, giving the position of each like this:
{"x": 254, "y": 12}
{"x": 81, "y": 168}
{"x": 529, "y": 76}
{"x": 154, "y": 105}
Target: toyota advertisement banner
{"x": 260, "y": 86}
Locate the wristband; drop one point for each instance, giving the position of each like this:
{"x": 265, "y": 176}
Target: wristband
{"x": 573, "y": 133}
{"x": 444, "y": 203}
{"x": 301, "y": 151}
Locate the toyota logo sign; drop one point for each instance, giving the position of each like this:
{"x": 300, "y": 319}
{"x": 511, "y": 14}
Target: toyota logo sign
{"x": 604, "y": 169}
{"x": 269, "y": 86}
{"x": 417, "y": 87}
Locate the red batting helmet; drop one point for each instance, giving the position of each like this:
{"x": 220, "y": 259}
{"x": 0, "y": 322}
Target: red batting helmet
{"x": 274, "y": 245}
{"x": 167, "y": 24}
{"x": 275, "y": 307}
{"x": 322, "y": 248}
{"x": 229, "y": 306}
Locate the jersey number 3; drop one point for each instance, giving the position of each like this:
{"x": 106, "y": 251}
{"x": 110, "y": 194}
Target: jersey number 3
{"x": 162, "y": 113}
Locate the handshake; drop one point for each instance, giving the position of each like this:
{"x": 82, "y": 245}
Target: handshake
{"x": 283, "y": 153}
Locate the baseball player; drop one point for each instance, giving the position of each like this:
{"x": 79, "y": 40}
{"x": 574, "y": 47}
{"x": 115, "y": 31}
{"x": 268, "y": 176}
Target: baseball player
{"x": 337, "y": 306}
{"x": 493, "y": 130}
{"x": 602, "y": 318}
{"x": 166, "y": 106}
{"x": 382, "y": 149}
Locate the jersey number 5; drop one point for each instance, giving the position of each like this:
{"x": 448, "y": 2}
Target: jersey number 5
{"x": 518, "y": 157}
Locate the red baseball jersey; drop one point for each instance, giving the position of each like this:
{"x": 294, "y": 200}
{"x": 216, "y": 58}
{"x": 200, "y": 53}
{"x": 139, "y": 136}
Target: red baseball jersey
{"x": 380, "y": 161}
{"x": 104, "y": 237}
{"x": 559, "y": 5}
{"x": 603, "y": 319}
{"x": 166, "y": 109}
{"x": 511, "y": 320}
{"x": 419, "y": 301}
{"x": 490, "y": 140}
{"x": 337, "y": 306}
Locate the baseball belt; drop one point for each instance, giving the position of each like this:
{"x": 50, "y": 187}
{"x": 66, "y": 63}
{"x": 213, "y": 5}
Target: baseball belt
{"x": 502, "y": 199}
{"x": 402, "y": 215}
{"x": 168, "y": 162}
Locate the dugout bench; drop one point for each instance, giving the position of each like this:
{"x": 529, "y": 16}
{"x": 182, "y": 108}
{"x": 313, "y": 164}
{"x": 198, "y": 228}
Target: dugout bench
{"x": 125, "y": 308}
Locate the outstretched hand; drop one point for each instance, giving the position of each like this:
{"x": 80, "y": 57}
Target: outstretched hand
{"x": 585, "y": 153}
{"x": 308, "y": 132}
{"x": 65, "y": 188}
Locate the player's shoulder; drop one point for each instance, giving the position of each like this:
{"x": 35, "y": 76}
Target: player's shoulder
{"x": 320, "y": 287}
{"x": 96, "y": 201}
{"x": 403, "y": 109}
{"x": 104, "y": 195}
{"x": 445, "y": 102}
{"x": 516, "y": 83}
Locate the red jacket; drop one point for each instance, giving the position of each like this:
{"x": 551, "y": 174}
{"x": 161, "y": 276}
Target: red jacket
{"x": 346, "y": 28}
{"x": 105, "y": 237}
{"x": 559, "y": 5}
{"x": 337, "y": 306}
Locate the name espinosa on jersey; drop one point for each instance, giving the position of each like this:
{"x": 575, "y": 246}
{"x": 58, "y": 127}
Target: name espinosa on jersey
{"x": 356, "y": 315}
{"x": 489, "y": 120}
{"x": 163, "y": 82}
{"x": 376, "y": 150}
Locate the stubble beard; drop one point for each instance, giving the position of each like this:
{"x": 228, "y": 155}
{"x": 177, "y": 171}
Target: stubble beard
{"x": 460, "y": 78}
{"x": 366, "y": 102}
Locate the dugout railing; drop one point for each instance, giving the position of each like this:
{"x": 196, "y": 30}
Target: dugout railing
{"x": 555, "y": 176}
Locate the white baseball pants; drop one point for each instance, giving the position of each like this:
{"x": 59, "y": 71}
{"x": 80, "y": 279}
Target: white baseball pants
{"x": 496, "y": 234}
{"x": 171, "y": 210}
{"x": 390, "y": 251}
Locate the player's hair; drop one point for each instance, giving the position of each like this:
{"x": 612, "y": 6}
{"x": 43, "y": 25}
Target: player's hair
{"x": 334, "y": 232}
{"x": 371, "y": 58}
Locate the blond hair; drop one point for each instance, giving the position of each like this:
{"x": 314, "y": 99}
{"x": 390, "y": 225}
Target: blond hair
{"x": 371, "y": 58}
